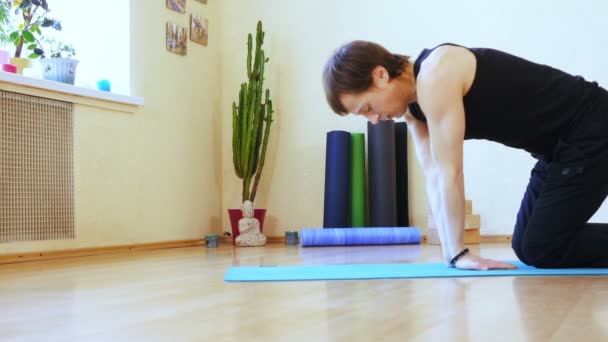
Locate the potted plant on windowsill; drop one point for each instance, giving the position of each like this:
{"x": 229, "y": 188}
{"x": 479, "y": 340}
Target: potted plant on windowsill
{"x": 30, "y": 17}
{"x": 59, "y": 66}
{"x": 251, "y": 120}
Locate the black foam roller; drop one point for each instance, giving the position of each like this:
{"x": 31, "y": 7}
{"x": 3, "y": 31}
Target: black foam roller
{"x": 382, "y": 174}
{"x": 401, "y": 172}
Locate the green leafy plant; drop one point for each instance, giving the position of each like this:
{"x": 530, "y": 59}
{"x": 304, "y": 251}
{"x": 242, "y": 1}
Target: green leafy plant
{"x": 31, "y": 17}
{"x": 4, "y": 22}
{"x": 251, "y": 120}
{"x": 59, "y": 49}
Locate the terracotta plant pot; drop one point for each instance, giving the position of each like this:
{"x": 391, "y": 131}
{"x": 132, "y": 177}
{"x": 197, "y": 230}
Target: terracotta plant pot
{"x": 236, "y": 214}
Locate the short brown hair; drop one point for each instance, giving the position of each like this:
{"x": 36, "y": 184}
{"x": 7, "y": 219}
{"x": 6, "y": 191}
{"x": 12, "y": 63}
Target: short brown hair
{"x": 349, "y": 70}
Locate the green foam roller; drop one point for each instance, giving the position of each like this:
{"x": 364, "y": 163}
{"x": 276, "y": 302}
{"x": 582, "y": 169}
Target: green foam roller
{"x": 357, "y": 171}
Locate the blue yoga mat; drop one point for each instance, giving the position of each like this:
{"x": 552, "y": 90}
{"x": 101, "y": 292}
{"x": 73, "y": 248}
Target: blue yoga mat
{"x": 387, "y": 271}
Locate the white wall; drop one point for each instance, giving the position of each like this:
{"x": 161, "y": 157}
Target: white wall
{"x": 301, "y": 35}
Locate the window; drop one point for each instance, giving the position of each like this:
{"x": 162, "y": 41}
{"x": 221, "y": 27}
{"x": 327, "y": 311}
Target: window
{"x": 100, "y": 33}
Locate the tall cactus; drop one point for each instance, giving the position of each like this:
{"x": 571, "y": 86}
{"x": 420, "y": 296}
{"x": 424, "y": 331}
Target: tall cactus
{"x": 251, "y": 120}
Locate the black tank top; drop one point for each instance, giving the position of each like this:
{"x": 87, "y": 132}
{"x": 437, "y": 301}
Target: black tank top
{"x": 519, "y": 103}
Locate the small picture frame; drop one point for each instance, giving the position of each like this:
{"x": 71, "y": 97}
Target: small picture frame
{"x": 177, "y": 39}
{"x": 199, "y": 29}
{"x": 177, "y": 5}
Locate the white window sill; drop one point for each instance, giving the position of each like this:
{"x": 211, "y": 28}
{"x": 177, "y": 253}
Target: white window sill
{"x": 69, "y": 93}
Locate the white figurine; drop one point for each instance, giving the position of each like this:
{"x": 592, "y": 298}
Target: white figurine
{"x": 249, "y": 228}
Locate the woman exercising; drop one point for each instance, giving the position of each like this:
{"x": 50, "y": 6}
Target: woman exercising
{"x": 451, "y": 93}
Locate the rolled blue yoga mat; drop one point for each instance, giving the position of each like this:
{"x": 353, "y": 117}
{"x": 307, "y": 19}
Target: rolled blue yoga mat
{"x": 359, "y": 236}
{"x": 336, "y": 211}
{"x": 382, "y": 174}
{"x": 401, "y": 174}
{"x": 389, "y": 271}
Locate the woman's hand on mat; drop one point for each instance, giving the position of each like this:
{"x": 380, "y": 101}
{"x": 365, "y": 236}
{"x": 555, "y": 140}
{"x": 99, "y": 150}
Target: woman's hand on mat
{"x": 474, "y": 262}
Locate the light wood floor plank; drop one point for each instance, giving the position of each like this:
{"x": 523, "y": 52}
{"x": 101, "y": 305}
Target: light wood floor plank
{"x": 179, "y": 295}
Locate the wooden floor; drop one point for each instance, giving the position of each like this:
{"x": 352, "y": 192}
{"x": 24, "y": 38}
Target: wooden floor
{"x": 179, "y": 295}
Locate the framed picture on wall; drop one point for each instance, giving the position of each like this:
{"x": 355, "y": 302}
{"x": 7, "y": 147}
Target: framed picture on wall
{"x": 177, "y": 39}
{"x": 177, "y": 5}
{"x": 202, "y": 1}
{"x": 199, "y": 29}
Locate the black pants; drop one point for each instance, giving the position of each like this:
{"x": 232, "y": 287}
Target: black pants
{"x": 552, "y": 228}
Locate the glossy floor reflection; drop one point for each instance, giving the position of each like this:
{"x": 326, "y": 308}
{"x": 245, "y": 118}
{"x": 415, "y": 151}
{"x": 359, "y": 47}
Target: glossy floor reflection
{"x": 179, "y": 295}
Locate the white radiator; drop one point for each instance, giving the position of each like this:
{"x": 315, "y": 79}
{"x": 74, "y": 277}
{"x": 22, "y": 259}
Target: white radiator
{"x": 36, "y": 169}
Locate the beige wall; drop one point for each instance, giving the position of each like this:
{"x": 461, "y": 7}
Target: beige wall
{"x": 301, "y": 35}
{"x": 165, "y": 172}
{"x": 153, "y": 175}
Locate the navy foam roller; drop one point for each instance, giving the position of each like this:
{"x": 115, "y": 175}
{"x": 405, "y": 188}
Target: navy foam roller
{"x": 336, "y": 211}
{"x": 382, "y": 174}
{"x": 359, "y": 236}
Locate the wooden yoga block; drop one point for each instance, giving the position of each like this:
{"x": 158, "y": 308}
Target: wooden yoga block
{"x": 472, "y": 222}
{"x": 471, "y": 236}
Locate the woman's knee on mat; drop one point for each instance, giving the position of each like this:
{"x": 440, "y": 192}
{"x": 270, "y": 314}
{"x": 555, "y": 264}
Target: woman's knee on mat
{"x": 543, "y": 254}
